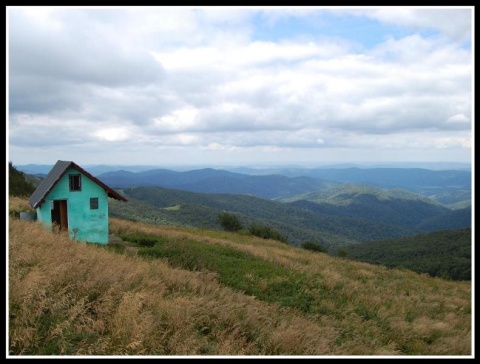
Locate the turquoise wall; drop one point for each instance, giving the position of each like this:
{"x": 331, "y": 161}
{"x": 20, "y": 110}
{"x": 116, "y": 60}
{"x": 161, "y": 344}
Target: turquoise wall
{"x": 84, "y": 224}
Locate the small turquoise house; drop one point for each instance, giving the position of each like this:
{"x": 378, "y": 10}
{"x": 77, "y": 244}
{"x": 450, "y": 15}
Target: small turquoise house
{"x": 76, "y": 201}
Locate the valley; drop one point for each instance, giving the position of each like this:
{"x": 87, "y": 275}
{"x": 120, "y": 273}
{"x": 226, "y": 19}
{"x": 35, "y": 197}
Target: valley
{"x": 339, "y": 210}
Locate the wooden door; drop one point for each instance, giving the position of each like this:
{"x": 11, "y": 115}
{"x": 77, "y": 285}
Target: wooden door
{"x": 59, "y": 214}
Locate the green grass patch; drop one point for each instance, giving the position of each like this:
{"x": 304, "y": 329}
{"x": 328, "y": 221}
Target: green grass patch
{"x": 241, "y": 271}
{"x": 140, "y": 239}
{"x": 117, "y": 248}
{"x": 172, "y": 208}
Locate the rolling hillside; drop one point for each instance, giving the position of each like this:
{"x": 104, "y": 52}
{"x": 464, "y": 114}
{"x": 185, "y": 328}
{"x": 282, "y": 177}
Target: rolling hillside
{"x": 449, "y": 187}
{"x": 452, "y": 188}
{"x": 420, "y": 180}
{"x": 182, "y": 208}
{"x": 396, "y": 207}
{"x": 210, "y": 293}
{"x": 216, "y": 181}
{"x": 331, "y": 225}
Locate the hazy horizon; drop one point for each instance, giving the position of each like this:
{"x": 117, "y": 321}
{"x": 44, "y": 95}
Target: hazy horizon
{"x": 97, "y": 169}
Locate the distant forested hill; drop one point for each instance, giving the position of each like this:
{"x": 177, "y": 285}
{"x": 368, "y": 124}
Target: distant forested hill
{"x": 412, "y": 179}
{"x": 445, "y": 253}
{"x": 451, "y": 188}
{"x": 217, "y": 181}
{"x": 395, "y": 207}
{"x": 456, "y": 219}
{"x": 160, "y": 205}
{"x": 328, "y": 225}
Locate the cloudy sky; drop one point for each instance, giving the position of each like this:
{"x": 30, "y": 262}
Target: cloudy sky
{"x": 239, "y": 85}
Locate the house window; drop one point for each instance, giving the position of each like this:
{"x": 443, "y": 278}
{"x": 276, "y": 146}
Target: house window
{"x": 75, "y": 182}
{"x": 94, "y": 203}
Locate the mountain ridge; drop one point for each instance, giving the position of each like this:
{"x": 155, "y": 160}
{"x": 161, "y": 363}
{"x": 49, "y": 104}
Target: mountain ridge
{"x": 299, "y": 221}
{"x": 450, "y": 187}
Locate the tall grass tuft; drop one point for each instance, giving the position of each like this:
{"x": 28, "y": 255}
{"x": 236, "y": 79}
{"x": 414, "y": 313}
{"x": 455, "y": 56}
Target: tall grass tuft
{"x": 68, "y": 298}
{"x": 74, "y": 298}
{"x": 17, "y": 205}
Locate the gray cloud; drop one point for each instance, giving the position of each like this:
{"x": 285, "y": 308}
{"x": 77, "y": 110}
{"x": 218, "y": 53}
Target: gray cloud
{"x": 128, "y": 79}
{"x": 80, "y": 49}
{"x": 54, "y": 66}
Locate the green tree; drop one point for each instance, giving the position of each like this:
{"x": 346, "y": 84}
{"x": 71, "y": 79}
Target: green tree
{"x": 313, "y": 247}
{"x": 229, "y": 221}
{"x": 17, "y": 185}
{"x": 266, "y": 232}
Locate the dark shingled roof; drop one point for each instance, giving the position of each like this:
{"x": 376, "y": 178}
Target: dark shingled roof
{"x": 57, "y": 172}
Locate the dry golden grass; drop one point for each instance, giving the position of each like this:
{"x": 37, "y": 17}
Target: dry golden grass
{"x": 395, "y": 298}
{"x": 79, "y": 299}
{"x": 70, "y": 298}
{"x": 18, "y": 204}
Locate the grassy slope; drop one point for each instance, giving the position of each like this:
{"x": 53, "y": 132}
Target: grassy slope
{"x": 241, "y": 296}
